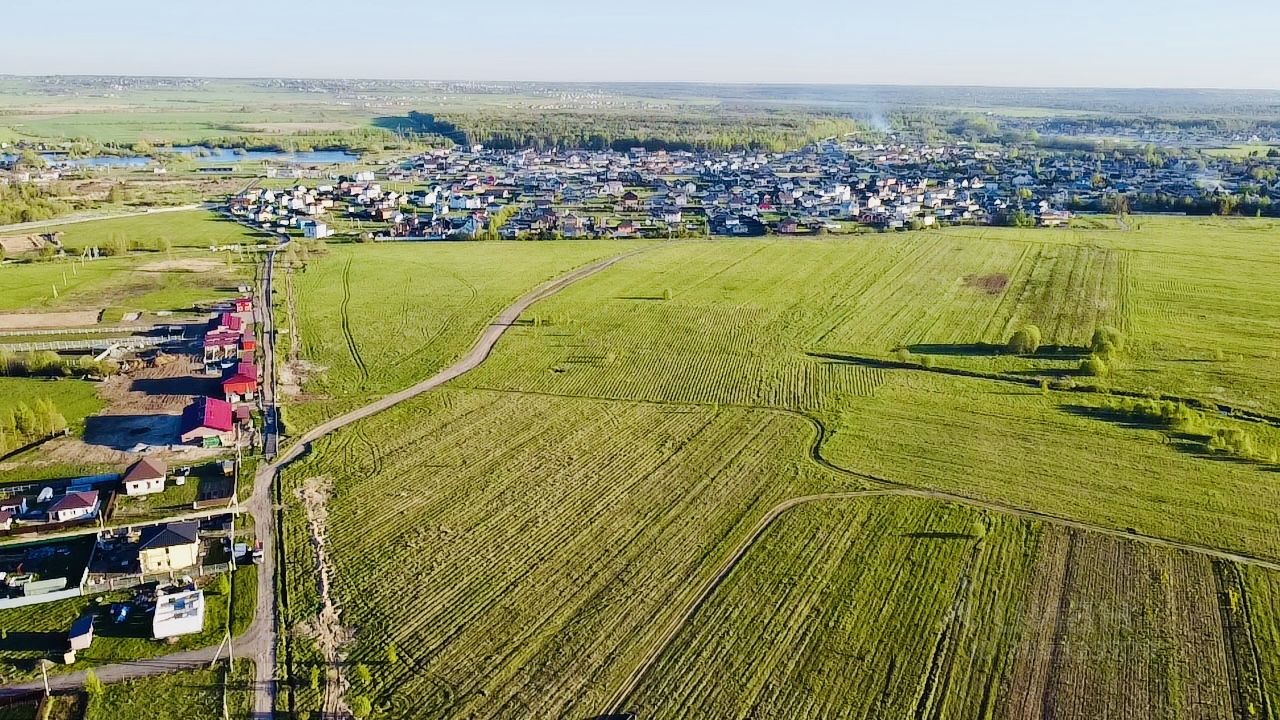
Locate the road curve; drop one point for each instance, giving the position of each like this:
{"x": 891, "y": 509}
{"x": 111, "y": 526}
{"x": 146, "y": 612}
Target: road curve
{"x": 261, "y": 639}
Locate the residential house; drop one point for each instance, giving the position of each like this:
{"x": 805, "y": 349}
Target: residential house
{"x": 240, "y": 383}
{"x": 178, "y": 613}
{"x": 168, "y": 547}
{"x": 207, "y": 421}
{"x": 74, "y": 506}
{"x": 147, "y": 476}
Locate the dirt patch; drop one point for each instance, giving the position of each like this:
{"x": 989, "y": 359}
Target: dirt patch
{"x": 993, "y": 284}
{"x": 26, "y": 321}
{"x": 326, "y": 629}
{"x": 14, "y": 244}
{"x": 188, "y": 265}
{"x": 126, "y": 432}
{"x": 165, "y": 387}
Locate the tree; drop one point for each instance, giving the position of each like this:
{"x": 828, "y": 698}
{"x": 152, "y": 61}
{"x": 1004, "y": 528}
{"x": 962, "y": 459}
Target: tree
{"x": 1107, "y": 342}
{"x": 363, "y": 675}
{"x": 392, "y": 656}
{"x": 115, "y": 195}
{"x": 1093, "y": 366}
{"x": 361, "y": 707}
{"x": 29, "y": 159}
{"x": 92, "y": 685}
{"x": 1025, "y": 341}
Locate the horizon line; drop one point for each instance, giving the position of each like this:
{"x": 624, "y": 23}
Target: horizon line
{"x": 738, "y": 83}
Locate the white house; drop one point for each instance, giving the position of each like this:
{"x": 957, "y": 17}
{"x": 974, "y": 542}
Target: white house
{"x": 316, "y": 230}
{"x": 74, "y": 506}
{"x": 145, "y": 477}
{"x": 179, "y": 613}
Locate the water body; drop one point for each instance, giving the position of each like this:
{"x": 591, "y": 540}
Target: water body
{"x": 203, "y": 156}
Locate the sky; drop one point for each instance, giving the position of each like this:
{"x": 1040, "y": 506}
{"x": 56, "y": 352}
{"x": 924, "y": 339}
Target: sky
{"x": 1044, "y": 43}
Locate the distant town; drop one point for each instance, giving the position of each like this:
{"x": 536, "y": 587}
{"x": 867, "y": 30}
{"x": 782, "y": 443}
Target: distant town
{"x": 830, "y": 186}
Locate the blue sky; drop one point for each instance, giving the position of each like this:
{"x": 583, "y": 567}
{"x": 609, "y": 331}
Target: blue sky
{"x": 1114, "y": 43}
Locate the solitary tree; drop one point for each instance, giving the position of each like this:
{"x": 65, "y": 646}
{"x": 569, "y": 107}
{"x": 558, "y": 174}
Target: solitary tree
{"x": 1025, "y": 341}
{"x": 1094, "y": 366}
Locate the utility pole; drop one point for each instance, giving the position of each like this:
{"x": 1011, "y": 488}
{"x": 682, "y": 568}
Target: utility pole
{"x": 45, "y": 674}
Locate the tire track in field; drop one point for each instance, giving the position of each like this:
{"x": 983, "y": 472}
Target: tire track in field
{"x": 346, "y": 321}
{"x": 887, "y": 488}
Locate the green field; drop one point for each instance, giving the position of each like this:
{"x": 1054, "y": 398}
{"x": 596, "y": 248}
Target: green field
{"x": 76, "y": 399}
{"x": 910, "y": 608}
{"x": 182, "y": 229}
{"x": 138, "y": 281}
{"x": 524, "y": 537}
{"x": 376, "y": 319}
{"x": 177, "y": 696}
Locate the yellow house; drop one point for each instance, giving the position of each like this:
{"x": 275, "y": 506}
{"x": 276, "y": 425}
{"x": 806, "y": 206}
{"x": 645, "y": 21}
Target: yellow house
{"x": 174, "y": 546}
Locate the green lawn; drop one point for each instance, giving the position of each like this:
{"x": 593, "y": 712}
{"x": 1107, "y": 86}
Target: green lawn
{"x": 76, "y": 399}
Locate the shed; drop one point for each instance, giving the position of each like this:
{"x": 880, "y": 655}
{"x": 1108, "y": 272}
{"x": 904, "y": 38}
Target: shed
{"x": 81, "y": 634}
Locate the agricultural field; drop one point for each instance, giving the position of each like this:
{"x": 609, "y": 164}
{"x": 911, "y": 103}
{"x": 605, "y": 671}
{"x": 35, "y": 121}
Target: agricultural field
{"x": 373, "y": 319}
{"x": 525, "y": 561}
{"x": 552, "y": 511}
{"x": 894, "y": 607}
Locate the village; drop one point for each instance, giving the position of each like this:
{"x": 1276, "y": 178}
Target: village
{"x": 164, "y": 528}
{"x": 832, "y": 186}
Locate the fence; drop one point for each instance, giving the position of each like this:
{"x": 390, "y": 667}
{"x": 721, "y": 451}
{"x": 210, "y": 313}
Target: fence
{"x": 127, "y": 343}
{"x": 75, "y": 331}
{"x": 123, "y": 582}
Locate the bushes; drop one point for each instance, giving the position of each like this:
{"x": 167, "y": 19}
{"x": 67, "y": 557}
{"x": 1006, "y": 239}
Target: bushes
{"x": 1107, "y": 342}
{"x": 1024, "y": 342}
{"x": 51, "y": 364}
{"x": 1178, "y": 418}
{"x": 1094, "y": 366}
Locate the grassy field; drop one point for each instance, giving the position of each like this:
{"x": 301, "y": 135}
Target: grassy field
{"x": 478, "y": 562}
{"x": 551, "y": 513}
{"x": 912, "y": 608}
{"x": 177, "y": 696}
{"x": 138, "y": 281}
{"x": 375, "y": 319}
{"x": 76, "y": 399}
{"x": 182, "y": 229}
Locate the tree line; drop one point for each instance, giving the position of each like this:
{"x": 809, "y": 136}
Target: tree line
{"x": 25, "y": 423}
{"x": 50, "y": 364}
{"x": 623, "y": 131}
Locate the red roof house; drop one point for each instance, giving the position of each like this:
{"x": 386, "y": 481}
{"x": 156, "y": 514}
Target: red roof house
{"x": 241, "y": 382}
{"x": 73, "y": 506}
{"x": 207, "y": 421}
{"x": 243, "y": 304}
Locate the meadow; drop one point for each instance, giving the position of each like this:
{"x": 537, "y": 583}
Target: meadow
{"x": 200, "y": 229}
{"x": 375, "y": 319}
{"x": 148, "y": 281}
{"x": 522, "y": 538}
